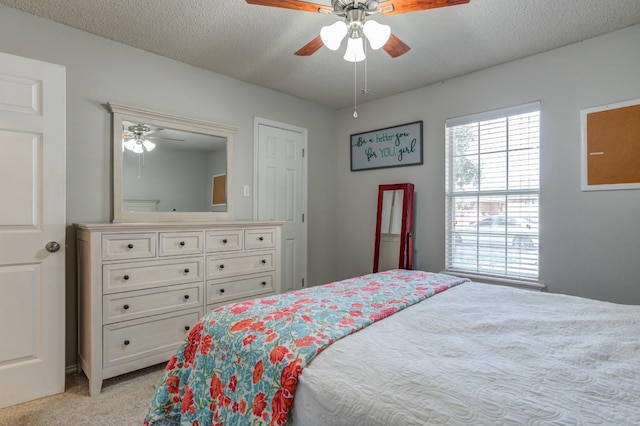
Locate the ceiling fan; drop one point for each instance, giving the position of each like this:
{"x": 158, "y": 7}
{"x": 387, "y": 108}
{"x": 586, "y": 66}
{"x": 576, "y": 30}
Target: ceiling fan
{"x": 137, "y": 138}
{"x": 355, "y": 23}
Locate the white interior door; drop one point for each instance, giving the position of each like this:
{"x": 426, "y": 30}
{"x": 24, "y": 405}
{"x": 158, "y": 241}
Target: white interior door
{"x": 32, "y": 196}
{"x": 280, "y": 189}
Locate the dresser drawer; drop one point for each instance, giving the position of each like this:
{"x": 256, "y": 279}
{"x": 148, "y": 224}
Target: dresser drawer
{"x": 130, "y": 340}
{"x": 143, "y": 275}
{"x": 136, "y": 304}
{"x": 225, "y": 265}
{"x": 242, "y": 287}
{"x": 261, "y": 238}
{"x": 128, "y": 246}
{"x": 181, "y": 243}
{"x": 224, "y": 240}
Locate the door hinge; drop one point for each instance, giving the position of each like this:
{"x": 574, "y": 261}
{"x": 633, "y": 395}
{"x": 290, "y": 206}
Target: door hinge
{"x": 302, "y": 217}
{"x": 302, "y": 152}
{"x": 303, "y": 282}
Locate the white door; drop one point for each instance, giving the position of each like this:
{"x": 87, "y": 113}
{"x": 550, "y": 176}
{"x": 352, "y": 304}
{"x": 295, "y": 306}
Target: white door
{"x": 280, "y": 190}
{"x": 32, "y": 214}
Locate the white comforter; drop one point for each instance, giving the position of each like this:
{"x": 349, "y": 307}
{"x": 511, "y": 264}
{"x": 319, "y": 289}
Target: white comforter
{"x": 480, "y": 354}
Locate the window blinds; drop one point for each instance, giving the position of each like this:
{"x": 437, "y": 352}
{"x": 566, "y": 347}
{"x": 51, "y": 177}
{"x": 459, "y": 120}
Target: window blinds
{"x": 492, "y": 193}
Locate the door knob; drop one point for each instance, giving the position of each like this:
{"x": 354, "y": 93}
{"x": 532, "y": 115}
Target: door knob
{"x": 52, "y": 247}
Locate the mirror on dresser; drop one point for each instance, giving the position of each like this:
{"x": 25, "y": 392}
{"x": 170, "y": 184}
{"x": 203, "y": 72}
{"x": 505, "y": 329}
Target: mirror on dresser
{"x": 170, "y": 168}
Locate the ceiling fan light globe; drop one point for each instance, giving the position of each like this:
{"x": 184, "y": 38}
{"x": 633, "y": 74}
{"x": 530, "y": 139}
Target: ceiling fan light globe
{"x": 138, "y": 148}
{"x": 332, "y": 35}
{"x": 149, "y": 145}
{"x": 129, "y": 144}
{"x": 377, "y": 34}
{"x": 355, "y": 50}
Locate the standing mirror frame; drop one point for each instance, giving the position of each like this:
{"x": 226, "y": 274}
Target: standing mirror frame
{"x": 122, "y": 114}
{"x": 394, "y": 224}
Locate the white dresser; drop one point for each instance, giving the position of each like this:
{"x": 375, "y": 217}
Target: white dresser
{"x": 141, "y": 287}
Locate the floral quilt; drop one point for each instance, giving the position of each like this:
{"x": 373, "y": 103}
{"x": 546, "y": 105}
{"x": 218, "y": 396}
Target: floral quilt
{"x": 240, "y": 363}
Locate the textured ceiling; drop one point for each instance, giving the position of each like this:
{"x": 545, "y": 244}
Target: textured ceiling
{"x": 256, "y": 43}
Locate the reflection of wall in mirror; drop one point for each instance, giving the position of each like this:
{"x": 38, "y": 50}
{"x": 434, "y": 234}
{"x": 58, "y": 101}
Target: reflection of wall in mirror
{"x": 391, "y": 212}
{"x": 180, "y": 179}
{"x": 389, "y": 252}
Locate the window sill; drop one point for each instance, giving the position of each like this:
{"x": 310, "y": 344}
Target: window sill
{"x": 485, "y": 279}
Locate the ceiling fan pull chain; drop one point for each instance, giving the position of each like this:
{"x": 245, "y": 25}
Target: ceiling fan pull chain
{"x": 365, "y": 90}
{"x": 355, "y": 90}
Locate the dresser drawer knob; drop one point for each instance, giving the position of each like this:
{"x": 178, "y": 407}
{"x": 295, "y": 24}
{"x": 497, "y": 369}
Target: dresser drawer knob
{"x": 186, "y": 270}
{"x": 126, "y": 342}
{"x": 129, "y": 246}
{"x": 263, "y": 261}
{"x": 181, "y": 243}
{"x": 264, "y": 283}
{"x": 221, "y": 290}
{"x": 224, "y": 241}
{"x": 261, "y": 238}
{"x": 186, "y": 328}
{"x": 126, "y": 277}
{"x": 221, "y": 266}
{"x": 125, "y": 307}
{"x": 186, "y": 297}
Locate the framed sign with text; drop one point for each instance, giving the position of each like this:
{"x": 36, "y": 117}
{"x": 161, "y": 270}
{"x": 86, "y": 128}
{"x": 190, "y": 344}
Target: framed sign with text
{"x": 389, "y": 147}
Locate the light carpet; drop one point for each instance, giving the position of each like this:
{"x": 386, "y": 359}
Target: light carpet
{"x": 124, "y": 401}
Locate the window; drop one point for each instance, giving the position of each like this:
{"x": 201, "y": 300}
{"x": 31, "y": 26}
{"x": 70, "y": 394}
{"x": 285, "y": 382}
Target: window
{"x": 492, "y": 193}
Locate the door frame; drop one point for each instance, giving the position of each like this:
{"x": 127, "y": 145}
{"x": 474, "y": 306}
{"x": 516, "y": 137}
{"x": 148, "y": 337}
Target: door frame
{"x": 257, "y": 122}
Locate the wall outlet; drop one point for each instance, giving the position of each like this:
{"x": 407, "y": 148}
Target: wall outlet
{"x": 247, "y": 191}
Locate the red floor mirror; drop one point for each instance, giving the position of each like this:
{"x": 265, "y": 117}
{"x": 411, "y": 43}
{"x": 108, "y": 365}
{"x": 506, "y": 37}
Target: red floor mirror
{"x": 394, "y": 238}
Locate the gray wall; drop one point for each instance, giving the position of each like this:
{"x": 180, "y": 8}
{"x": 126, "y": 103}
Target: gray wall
{"x": 590, "y": 241}
{"x": 101, "y": 71}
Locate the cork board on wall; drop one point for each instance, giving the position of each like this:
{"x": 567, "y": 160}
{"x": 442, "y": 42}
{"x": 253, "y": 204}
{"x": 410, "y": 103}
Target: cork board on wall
{"x": 611, "y": 146}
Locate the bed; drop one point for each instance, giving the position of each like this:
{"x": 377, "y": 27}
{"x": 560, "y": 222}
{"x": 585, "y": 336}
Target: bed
{"x": 406, "y": 348}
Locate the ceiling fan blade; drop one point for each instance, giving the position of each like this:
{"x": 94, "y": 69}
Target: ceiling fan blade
{"x": 395, "y": 47}
{"x": 311, "y": 47}
{"x": 395, "y": 7}
{"x": 164, "y": 139}
{"x": 157, "y": 129}
{"x": 293, "y": 4}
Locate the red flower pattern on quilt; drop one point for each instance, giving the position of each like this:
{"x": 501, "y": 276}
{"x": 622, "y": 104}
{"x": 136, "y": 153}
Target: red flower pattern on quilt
{"x": 241, "y": 362}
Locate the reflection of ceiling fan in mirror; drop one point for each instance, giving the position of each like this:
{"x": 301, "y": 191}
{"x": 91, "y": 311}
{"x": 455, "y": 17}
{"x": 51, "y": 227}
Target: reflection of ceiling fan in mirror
{"x": 137, "y": 138}
{"x": 356, "y": 23}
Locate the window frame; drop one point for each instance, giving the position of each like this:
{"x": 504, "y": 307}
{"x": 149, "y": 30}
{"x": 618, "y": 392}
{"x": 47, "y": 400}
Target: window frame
{"x": 452, "y": 260}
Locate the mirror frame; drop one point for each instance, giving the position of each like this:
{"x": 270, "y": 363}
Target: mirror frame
{"x": 405, "y": 255}
{"x": 120, "y": 113}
